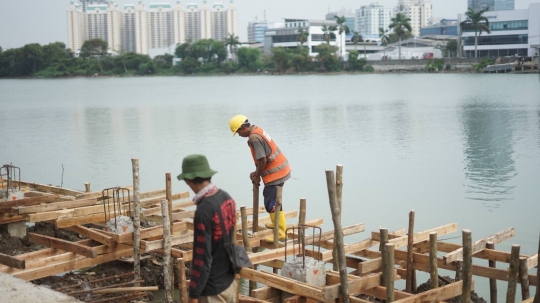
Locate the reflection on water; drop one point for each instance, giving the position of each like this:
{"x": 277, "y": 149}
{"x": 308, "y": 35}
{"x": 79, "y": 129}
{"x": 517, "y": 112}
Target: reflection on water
{"x": 488, "y": 150}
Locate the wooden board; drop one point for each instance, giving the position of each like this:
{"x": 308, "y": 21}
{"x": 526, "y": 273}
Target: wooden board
{"x": 50, "y": 188}
{"x": 420, "y": 236}
{"x": 480, "y": 244}
{"x": 55, "y": 206}
{"x": 63, "y": 245}
{"x": 158, "y": 244}
{"x": 11, "y": 261}
{"x": 437, "y": 294}
{"x": 32, "y": 201}
{"x": 91, "y": 234}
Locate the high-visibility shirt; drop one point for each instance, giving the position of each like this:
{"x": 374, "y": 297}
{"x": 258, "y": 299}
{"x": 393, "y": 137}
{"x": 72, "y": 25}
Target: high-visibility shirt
{"x": 277, "y": 166}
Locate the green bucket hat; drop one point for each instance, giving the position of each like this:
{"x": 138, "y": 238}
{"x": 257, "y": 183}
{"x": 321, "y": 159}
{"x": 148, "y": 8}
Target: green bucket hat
{"x": 194, "y": 166}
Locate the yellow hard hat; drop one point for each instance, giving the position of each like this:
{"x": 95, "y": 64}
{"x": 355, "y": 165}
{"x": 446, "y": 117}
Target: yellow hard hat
{"x": 236, "y": 122}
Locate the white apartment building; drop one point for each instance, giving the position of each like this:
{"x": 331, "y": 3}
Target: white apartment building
{"x": 139, "y": 29}
{"x": 419, "y": 11}
{"x": 369, "y": 18}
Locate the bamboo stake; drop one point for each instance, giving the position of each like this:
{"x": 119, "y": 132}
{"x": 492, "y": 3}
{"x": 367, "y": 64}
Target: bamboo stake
{"x": 467, "y": 266}
{"x": 492, "y": 282}
{"x": 168, "y": 196}
{"x": 182, "y": 287}
{"x": 339, "y": 190}
{"x": 537, "y": 296}
{"x": 301, "y": 221}
{"x": 277, "y": 213}
{"x": 384, "y": 239}
{"x": 388, "y": 260}
{"x": 409, "y": 287}
{"x": 245, "y": 239}
{"x": 255, "y": 227}
{"x": 125, "y": 289}
{"x": 166, "y": 251}
{"x": 524, "y": 276}
{"x": 136, "y": 220}
{"x": 433, "y": 271}
{"x": 338, "y": 235}
{"x": 512, "y": 275}
{"x": 87, "y": 187}
{"x": 459, "y": 270}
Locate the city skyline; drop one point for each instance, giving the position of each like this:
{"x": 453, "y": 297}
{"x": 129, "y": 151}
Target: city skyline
{"x": 33, "y": 21}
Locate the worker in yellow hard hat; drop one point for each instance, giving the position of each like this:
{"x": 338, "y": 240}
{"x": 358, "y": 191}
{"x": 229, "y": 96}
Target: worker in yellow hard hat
{"x": 271, "y": 166}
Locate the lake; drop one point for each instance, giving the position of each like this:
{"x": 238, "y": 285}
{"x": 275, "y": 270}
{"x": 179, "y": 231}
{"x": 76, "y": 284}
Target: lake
{"x": 455, "y": 148}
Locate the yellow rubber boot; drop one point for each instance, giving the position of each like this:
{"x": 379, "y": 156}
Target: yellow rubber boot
{"x": 282, "y": 225}
{"x": 270, "y": 225}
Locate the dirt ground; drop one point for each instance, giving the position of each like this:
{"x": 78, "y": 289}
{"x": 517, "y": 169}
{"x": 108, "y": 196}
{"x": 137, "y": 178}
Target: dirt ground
{"x": 427, "y": 286}
{"x": 151, "y": 268}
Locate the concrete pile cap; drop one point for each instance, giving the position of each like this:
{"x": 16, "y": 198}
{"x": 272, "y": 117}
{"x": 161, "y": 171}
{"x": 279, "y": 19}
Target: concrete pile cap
{"x": 124, "y": 224}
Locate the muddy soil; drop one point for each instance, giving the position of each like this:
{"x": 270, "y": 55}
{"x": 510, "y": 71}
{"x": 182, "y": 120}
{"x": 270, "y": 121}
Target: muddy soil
{"x": 427, "y": 286}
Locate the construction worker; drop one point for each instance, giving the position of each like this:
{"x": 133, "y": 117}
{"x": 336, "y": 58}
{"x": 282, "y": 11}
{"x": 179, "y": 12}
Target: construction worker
{"x": 270, "y": 165}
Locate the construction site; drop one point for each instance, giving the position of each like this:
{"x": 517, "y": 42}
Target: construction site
{"x": 77, "y": 237}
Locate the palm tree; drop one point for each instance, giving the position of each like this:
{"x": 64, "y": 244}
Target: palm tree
{"x": 401, "y": 26}
{"x": 302, "y": 36}
{"x": 232, "y": 41}
{"x": 342, "y": 28}
{"x": 328, "y": 32}
{"x": 355, "y": 39}
{"x": 477, "y": 21}
{"x": 383, "y": 35}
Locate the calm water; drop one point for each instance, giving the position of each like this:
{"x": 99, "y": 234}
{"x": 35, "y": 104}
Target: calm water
{"x": 455, "y": 148}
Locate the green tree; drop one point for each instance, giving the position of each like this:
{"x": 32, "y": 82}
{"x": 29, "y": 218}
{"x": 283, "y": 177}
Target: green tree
{"x": 147, "y": 68}
{"x": 451, "y": 48}
{"x": 281, "y": 58}
{"x": 327, "y": 57}
{"x": 477, "y": 22}
{"x": 32, "y": 57}
{"x": 401, "y": 26}
{"x": 302, "y": 36}
{"x": 163, "y": 61}
{"x": 342, "y": 28}
{"x": 183, "y": 50}
{"x": 300, "y": 59}
{"x": 328, "y": 32}
{"x": 249, "y": 59}
{"x": 96, "y": 49}
{"x": 358, "y": 38}
{"x": 232, "y": 42}
{"x": 355, "y": 64}
{"x": 383, "y": 35}
{"x": 219, "y": 51}
{"x": 189, "y": 65}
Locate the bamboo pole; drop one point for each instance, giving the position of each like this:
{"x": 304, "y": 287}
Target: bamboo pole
{"x": 409, "y": 287}
{"x": 467, "y": 266}
{"x": 166, "y": 250}
{"x": 537, "y": 296}
{"x": 125, "y": 289}
{"x": 339, "y": 190}
{"x": 388, "y": 260}
{"x": 182, "y": 283}
{"x": 87, "y": 187}
{"x": 302, "y": 221}
{"x": 512, "y": 274}
{"x": 524, "y": 276}
{"x": 433, "y": 270}
{"x": 168, "y": 196}
{"x": 492, "y": 282}
{"x": 338, "y": 235}
{"x": 384, "y": 239}
{"x": 136, "y": 219}
{"x": 277, "y": 213}
{"x": 255, "y": 227}
{"x": 245, "y": 239}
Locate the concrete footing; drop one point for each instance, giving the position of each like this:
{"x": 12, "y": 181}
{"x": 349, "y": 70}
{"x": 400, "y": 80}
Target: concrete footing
{"x": 17, "y": 229}
{"x": 313, "y": 273}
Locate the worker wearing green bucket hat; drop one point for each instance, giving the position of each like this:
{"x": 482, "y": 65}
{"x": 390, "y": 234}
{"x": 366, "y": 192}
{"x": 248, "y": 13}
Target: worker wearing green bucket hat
{"x": 212, "y": 276}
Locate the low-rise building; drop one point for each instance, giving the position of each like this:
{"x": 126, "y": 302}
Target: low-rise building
{"x": 446, "y": 27}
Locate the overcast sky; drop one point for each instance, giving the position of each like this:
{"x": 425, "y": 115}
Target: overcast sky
{"x": 45, "y": 21}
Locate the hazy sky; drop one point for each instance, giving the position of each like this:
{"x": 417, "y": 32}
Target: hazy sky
{"x": 45, "y": 21}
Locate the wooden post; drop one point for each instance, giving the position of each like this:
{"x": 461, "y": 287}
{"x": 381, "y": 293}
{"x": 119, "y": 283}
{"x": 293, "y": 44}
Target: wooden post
{"x": 338, "y": 235}
{"x": 384, "y": 239}
{"x": 409, "y": 287}
{"x": 467, "y": 266}
{"x": 87, "y": 187}
{"x": 166, "y": 250}
{"x": 136, "y": 220}
{"x": 245, "y": 239}
{"x": 168, "y": 196}
{"x": 255, "y": 227}
{"x": 388, "y": 260}
{"x": 433, "y": 270}
{"x": 277, "y": 213}
{"x": 182, "y": 287}
{"x": 459, "y": 270}
{"x": 492, "y": 282}
{"x": 512, "y": 274}
{"x": 537, "y": 296}
{"x": 301, "y": 221}
{"x": 524, "y": 276}
{"x": 339, "y": 190}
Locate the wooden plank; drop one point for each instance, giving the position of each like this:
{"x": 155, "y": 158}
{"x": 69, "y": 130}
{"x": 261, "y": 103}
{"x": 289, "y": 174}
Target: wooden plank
{"x": 480, "y": 244}
{"x": 32, "y": 201}
{"x": 355, "y": 284}
{"x": 99, "y": 193}
{"x": 158, "y": 244}
{"x": 50, "y": 188}
{"x": 91, "y": 234}
{"x": 55, "y": 206}
{"x": 246, "y": 299}
{"x": 436, "y": 295}
{"x": 369, "y": 266}
{"x": 157, "y": 210}
{"x": 532, "y": 261}
{"x": 262, "y": 220}
{"x": 420, "y": 236}
{"x": 11, "y": 261}
{"x": 265, "y": 292}
{"x": 267, "y": 255}
{"x": 63, "y": 245}
{"x": 267, "y": 232}
{"x": 380, "y": 292}
{"x": 54, "y": 269}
